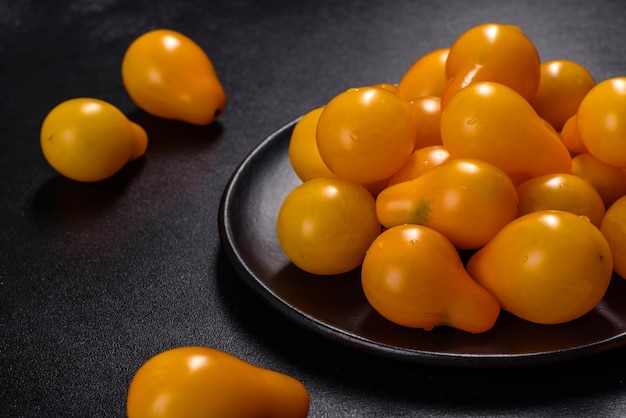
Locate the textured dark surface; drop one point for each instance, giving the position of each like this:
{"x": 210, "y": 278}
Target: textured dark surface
{"x": 95, "y": 279}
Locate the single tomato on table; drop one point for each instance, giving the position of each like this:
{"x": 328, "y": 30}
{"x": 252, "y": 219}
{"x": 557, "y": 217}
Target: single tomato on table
{"x": 87, "y": 139}
{"x": 199, "y": 382}
{"x": 169, "y": 75}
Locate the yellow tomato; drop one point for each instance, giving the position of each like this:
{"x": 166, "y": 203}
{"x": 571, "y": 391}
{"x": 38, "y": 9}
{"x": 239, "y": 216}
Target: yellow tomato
{"x": 426, "y": 76}
{"x": 466, "y": 200}
{"x": 421, "y": 161}
{"x": 608, "y": 180}
{"x": 388, "y": 86}
{"x": 413, "y": 276}
{"x": 493, "y": 52}
{"x": 562, "y": 86}
{"x": 571, "y": 138}
{"x": 427, "y": 117}
{"x": 199, "y": 382}
{"x": 602, "y": 121}
{"x": 303, "y": 153}
{"x": 614, "y": 230}
{"x": 546, "y": 267}
{"x": 325, "y": 225}
{"x": 563, "y": 192}
{"x": 168, "y": 75}
{"x": 491, "y": 122}
{"x": 89, "y": 140}
{"x": 365, "y": 134}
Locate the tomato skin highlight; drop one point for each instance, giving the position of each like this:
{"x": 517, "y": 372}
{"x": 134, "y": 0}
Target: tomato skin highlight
{"x": 199, "y": 382}
{"x": 169, "y": 75}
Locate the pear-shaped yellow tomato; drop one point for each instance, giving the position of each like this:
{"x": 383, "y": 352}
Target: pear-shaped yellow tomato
{"x": 613, "y": 228}
{"x": 169, "y": 75}
{"x": 426, "y": 76}
{"x": 325, "y": 225}
{"x": 466, "y": 200}
{"x": 413, "y": 276}
{"x": 608, "y": 180}
{"x": 546, "y": 267}
{"x": 602, "y": 121}
{"x": 87, "y": 139}
{"x": 421, "y": 161}
{"x": 562, "y": 86}
{"x": 492, "y": 122}
{"x": 563, "y": 192}
{"x": 303, "y": 154}
{"x": 493, "y": 52}
{"x": 199, "y": 382}
{"x": 365, "y": 134}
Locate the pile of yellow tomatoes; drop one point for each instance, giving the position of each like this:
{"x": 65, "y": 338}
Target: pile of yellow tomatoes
{"x": 481, "y": 149}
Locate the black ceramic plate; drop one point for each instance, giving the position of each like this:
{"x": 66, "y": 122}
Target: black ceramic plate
{"x": 335, "y": 307}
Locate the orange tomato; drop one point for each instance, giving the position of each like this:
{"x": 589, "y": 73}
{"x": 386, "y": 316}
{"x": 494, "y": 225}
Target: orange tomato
{"x": 614, "y": 230}
{"x": 426, "y": 76}
{"x": 413, "y": 276}
{"x": 563, "y": 192}
{"x": 420, "y": 161}
{"x": 602, "y": 121}
{"x": 325, "y": 225}
{"x": 199, "y": 382}
{"x": 303, "y": 153}
{"x": 608, "y": 180}
{"x": 388, "y": 86}
{"x": 492, "y": 122}
{"x": 546, "y": 267}
{"x": 571, "y": 138}
{"x": 493, "y": 52}
{"x": 365, "y": 134}
{"x": 427, "y": 117}
{"x": 88, "y": 140}
{"x": 468, "y": 201}
{"x": 168, "y": 75}
{"x": 562, "y": 86}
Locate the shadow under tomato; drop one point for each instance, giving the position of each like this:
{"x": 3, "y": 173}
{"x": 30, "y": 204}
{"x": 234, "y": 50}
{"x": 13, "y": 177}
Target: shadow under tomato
{"x": 62, "y": 201}
{"x": 166, "y": 136}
